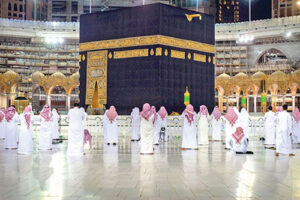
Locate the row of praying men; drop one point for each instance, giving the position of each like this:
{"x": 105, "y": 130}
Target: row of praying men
{"x": 49, "y": 129}
{"x": 147, "y": 127}
{"x": 110, "y": 126}
{"x": 9, "y": 120}
{"x": 160, "y": 124}
{"x": 236, "y": 129}
{"x": 192, "y": 136}
{"x": 282, "y": 129}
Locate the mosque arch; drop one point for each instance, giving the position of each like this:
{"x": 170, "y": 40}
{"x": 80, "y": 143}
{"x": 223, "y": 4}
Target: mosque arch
{"x": 2, "y": 88}
{"x": 58, "y": 98}
{"x": 57, "y": 89}
{"x": 251, "y": 89}
{"x": 38, "y": 89}
{"x": 272, "y": 56}
{"x": 3, "y": 96}
{"x": 74, "y": 97}
{"x": 39, "y": 98}
{"x": 73, "y": 90}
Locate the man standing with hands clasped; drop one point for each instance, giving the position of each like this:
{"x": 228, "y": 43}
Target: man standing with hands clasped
{"x": 284, "y": 133}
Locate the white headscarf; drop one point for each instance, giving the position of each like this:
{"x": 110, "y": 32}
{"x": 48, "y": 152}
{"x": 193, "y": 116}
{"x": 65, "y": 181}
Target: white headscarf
{"x": 236, "y": 111}
{"x": 244, "y": 113}
{"x": 54, "y": 112}
{"x": 135, "y": 112}
{"x": 244, "y": 117}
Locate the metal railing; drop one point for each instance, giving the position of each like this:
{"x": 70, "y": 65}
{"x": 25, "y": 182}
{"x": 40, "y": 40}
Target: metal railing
{"x": 258, "y": 25}
{"x": 256, "y": 68}
{"x": 26, "y": 24}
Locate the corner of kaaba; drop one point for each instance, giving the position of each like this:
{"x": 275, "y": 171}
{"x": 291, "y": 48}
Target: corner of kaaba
{"x": 148, "y": 53}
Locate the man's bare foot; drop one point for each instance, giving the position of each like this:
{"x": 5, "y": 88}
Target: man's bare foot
{"x": 291, "y": 154}
{"x": 277, "y": 154}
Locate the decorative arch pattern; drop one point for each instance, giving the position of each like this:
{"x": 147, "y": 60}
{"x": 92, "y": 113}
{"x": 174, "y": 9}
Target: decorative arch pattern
{"x": 245, "y": 83}
{"x": 267, "y": 54}
{"x": 9, "y": 80}
{"x": 251, "y": 85}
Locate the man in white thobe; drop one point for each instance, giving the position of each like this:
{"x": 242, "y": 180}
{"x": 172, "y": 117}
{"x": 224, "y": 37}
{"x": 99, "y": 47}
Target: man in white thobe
{"x": 270, "y": 129}
{"x": 55, "y": 125}
{"x": 244, "y": 121}
{"x": 296, "y": 126}
{"x": 105, "y": 122}
{"x": 76, "y": 118}
{"x": 11, "y": 133}
{"x": 135, "y": 124}
{"x": 238, "y": 142}
{"x": 283, "y": 137}
{"x": 231, "y": 123}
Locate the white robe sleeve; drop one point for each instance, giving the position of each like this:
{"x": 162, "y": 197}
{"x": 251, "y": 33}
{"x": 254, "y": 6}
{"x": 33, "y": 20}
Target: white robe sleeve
{"x": 289, "y": 123}
{"x": 16, "y": 118}
{"x": 69, "y": 115}
{"x": 246, "y": 144}
{"x": 32, "y": 119}
{"x": 84, "y": 116}
{"x": 231, "y": 143}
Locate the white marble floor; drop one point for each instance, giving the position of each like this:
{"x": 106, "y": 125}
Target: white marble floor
{"x": 121, "y": 173}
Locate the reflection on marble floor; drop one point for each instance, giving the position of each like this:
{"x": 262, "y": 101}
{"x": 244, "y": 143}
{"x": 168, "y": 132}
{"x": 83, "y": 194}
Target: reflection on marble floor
{"x": 119, "y": 172}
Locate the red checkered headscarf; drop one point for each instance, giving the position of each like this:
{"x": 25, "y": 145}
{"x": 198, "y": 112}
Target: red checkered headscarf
{"x": 217, "y": 113}
{"x": 189, "y": 113}
{"x": 231, "y": 116}
{"x": 238, "y": 135}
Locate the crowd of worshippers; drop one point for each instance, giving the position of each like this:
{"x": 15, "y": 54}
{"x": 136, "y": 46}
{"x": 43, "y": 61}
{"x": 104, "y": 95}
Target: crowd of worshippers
{"x": 150, "y": 127}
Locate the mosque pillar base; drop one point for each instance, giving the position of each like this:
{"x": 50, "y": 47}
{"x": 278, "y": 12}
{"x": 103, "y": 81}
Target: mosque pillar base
{"x": 255, "y": 106}
{"x": 68, "y": 102}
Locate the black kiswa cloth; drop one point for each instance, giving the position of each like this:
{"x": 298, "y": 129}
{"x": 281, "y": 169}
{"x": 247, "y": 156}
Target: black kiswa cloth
{"x": 159, "y": 79}
{"x": 152, "y": 19}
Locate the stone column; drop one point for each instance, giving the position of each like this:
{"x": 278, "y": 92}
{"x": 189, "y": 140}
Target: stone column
{"x": 221, "y": 103}
{"x": 247, "y": 103}
{"x": 7, "y": 100}
{"x": 274, "y": 102}
{"x": 48, "y": 99}
{"x": 293, "y": 102}
{"x": 68, "y": 102}
{"x": 255, "y": 106}
{"x": 227, "y": 103}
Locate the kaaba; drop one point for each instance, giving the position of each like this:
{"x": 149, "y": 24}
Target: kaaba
{"x": 148, "y": 53}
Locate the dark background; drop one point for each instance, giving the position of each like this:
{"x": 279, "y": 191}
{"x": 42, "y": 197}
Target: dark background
{"x": 260, "y": 9}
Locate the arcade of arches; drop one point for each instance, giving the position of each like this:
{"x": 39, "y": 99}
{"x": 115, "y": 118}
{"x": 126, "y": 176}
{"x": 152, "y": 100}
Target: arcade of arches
{"x": 280, "y": 88}
{"x": 57, "y": 90}
{"x": 61, "y": 92}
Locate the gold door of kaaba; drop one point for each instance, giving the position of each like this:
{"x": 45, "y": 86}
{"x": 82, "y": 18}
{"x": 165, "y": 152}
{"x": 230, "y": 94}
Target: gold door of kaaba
{"x": 96, "y": 77}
